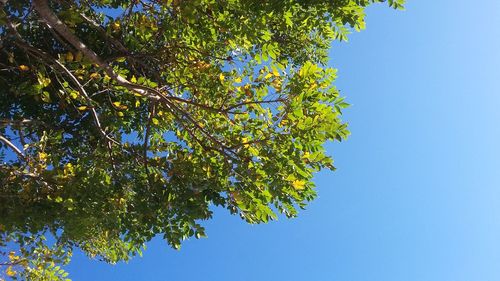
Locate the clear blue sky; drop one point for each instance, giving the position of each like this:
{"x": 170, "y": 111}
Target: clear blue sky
{"x": 417, "y": 192}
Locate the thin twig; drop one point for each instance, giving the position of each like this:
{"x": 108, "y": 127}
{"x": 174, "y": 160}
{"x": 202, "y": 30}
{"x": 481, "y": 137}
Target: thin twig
{"x": 152, "y": 113}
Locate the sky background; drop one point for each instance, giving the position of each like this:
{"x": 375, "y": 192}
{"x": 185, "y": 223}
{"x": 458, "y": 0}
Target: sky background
{"x": 417, "y": 192}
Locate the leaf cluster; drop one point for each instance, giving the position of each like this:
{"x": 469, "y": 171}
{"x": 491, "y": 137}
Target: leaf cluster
{"x": 124, "y": 120}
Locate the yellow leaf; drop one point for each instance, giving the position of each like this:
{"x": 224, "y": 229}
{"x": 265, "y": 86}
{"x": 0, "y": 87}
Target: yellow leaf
{"x": 133, "y": 79}
{"x": 73, "y": 94}
{"x": 237, "y": 80}
{"x": 42, "y": 155}
{"x": 12, "y": 256}
{"x": 95, "y": 75}
{"x": 137, "y": 103}
{"x": 69, "y": 57}
{"x": 202, "y": 65}
{"x": 119, "y": 105}
{"x": 78, "y": 56}
{"x": 10, "y": 57}
{"x": 10, "y": 272}
{"x": 155, "y": 121}
{"x": 298, "y": 184}
{"x": 238, "y": 198}
{"x": 23, "y": 67}
{"x": 69, "y": 169}
{"x": 269, "y": 75}
{"x": 244, "y": 141}
{"x": 276, "y": 85}
{"x": 116, "y": 25}
{"x": 221, "y": 77}
{"x": 82, "y": 108}
{"x": 120, "y": 114}
{"x": 247, "y": 90}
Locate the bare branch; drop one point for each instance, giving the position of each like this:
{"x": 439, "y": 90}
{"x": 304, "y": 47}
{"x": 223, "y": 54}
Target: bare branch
{"x": 6, "y": 122}
{"x": 152, "y": 113}
{"x": 13, "y": 147}
{"x": 252, "y": 102}
{"x": 17, "y": 261}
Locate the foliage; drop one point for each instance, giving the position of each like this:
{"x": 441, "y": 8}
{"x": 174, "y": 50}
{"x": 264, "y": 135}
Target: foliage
{"x": 123, "y": 120}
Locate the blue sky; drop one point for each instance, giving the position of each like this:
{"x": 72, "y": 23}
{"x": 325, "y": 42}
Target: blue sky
{"x": 417, "y": 192}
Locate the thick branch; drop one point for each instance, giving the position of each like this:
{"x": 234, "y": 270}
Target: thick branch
{"x": 20, "y": 42}
{"x": 44, "y": 11}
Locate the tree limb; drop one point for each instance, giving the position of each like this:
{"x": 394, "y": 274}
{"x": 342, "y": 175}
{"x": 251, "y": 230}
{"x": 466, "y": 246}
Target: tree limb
{"x": 13, "y": 147}
{"x": 45, "y": 12}
{"x": 20, "y": 42}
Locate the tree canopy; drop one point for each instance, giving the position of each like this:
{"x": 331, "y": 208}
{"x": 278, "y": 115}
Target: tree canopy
{"x": 123, "y": 120}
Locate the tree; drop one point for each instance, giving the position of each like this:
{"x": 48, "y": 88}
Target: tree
{"x": 123, "y": 120}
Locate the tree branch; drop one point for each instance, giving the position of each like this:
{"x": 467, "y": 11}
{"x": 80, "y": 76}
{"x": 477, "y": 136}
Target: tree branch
{"x": 253, "y": 102}
{"x": 6, "y": 122}
{"x": 13, "y": 147}
{"x": 152, "y": 113}
{"x": 20, "y": 42}
{"x": 45, "y": 12}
